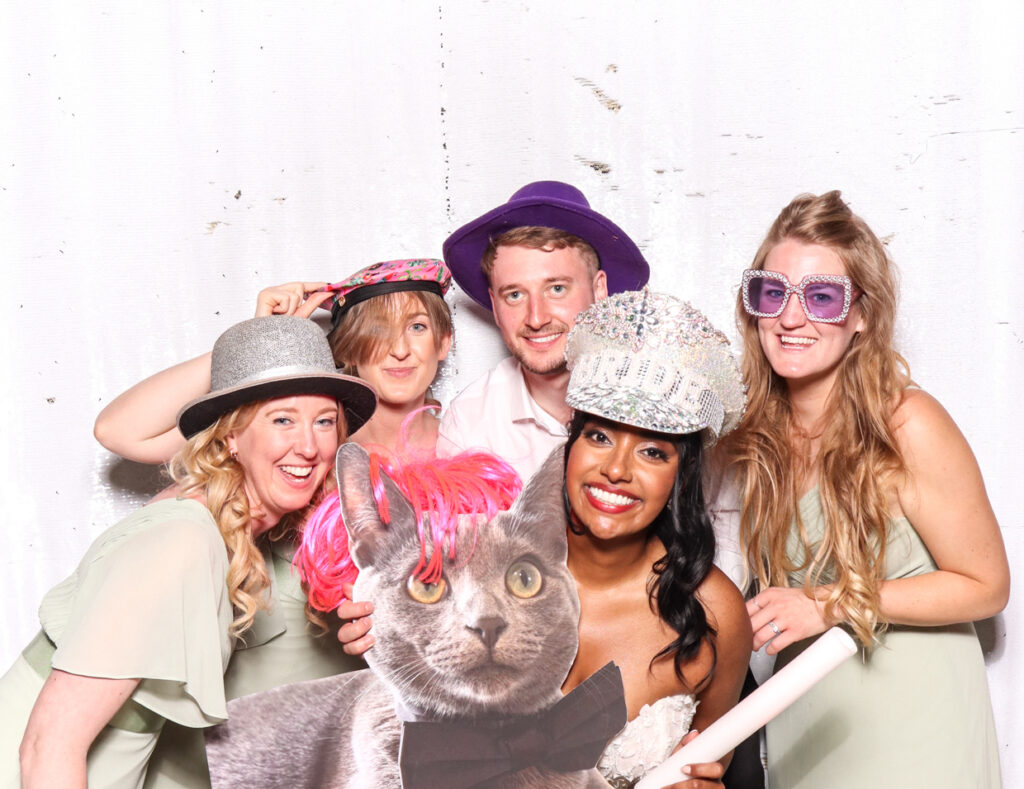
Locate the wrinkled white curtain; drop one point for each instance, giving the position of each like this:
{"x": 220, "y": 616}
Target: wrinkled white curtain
{"x": 161, "y": 162}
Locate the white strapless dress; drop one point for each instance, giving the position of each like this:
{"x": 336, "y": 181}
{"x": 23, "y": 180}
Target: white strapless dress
{"x": 647, "y": 740}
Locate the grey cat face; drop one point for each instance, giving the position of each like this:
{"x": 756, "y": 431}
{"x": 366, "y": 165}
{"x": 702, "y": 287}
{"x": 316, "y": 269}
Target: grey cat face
{"x": 499, "y": 633}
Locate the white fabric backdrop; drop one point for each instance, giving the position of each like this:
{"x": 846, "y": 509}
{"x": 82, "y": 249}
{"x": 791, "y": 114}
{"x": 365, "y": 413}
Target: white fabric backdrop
{"x": 164, "y": 161}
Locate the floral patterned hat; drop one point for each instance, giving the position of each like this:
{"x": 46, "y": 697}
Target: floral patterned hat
{"x": 390, "y": 276}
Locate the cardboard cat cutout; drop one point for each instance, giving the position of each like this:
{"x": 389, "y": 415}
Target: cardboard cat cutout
{"x": 465, "y": 675}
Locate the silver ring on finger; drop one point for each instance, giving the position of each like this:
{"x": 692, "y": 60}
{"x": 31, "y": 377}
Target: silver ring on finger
{"x": 774, "y": 627}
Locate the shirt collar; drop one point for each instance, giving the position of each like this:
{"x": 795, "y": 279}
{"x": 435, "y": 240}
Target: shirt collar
{"x": 523, "y": 408}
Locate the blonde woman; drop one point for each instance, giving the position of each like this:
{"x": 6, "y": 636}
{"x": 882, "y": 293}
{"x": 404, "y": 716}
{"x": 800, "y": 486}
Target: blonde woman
{"x": 863, "y": 506}
{"x": 142, "y": 631}
{"x": 390, "y": 326}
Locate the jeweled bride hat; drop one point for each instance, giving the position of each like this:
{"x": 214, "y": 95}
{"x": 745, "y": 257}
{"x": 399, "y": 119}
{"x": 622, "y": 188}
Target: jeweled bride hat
{"x": 652, "y": 361}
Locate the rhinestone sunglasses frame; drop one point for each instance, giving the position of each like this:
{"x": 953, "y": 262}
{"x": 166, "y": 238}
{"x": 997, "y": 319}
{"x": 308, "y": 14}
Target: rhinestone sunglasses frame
{"x": 798, "y": 289}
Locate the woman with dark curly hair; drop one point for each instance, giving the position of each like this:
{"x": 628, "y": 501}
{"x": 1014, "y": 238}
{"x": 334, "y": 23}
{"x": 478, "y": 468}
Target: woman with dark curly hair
{"x": 653, "y": 386}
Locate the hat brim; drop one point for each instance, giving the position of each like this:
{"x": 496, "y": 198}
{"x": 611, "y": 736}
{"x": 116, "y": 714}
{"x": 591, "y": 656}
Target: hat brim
{"x": 357, "y": 398}
{"x": 621, "y": 260}
{"x": 618, "y": 404}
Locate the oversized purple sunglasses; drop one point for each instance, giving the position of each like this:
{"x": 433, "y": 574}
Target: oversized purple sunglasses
{"x": 825, "y": 298}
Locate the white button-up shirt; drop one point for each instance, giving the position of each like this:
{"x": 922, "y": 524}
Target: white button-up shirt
{"x": 496, "y": 413}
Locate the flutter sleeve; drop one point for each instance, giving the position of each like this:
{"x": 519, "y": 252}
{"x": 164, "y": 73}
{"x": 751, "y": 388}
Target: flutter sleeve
{"x": 149, "y": 600}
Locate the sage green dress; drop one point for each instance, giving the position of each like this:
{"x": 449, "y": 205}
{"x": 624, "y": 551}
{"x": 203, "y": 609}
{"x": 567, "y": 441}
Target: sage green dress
{"x": 913, "y": 712}
{"x": 149, "y": 600}
{"x": 281, "y": 648}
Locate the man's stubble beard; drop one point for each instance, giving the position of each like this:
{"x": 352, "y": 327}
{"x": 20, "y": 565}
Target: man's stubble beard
{"x": 553, "y": 368}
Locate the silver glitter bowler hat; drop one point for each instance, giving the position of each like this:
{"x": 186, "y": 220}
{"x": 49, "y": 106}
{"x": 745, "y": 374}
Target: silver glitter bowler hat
{"x": 652, "y": 361}
{"x": 274, "y": 356}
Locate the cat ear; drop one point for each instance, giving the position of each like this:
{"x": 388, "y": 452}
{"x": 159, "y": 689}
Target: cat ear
{"x": 368, "y": 535}
{"x": 539, "y": 512}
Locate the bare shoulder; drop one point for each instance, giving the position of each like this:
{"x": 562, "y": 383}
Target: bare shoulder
{"x": 727, "y": 614}
{"x": 928, "y": 438}
{"x": 726, "y": 610}
{"x": 919, "y": 417}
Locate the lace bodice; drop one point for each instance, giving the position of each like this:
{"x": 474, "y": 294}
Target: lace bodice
{"x": 647, "y": 740}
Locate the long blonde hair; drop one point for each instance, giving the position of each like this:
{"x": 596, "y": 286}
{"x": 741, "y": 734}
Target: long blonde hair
{"x": 858, "y": 461}
{"x": 205, "y": 466}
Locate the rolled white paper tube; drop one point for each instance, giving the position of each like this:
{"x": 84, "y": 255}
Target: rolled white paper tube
{"x": 777, "y": 693}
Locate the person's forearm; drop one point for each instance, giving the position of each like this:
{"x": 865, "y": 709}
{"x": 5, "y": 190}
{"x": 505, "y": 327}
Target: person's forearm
{"x": 140, "y": 424}
{"x": 944, "y": 598}
{"x": 69, "y": 713}
{"x": 46, "y": 764}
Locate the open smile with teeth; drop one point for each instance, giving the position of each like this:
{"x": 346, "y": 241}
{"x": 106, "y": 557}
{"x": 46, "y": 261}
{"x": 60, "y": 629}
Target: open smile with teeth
{"x": 543, "y": 339}
{"x": 297, "y": 471}
{"x": 609, "y": 498}
{"x": 794, "y": 341}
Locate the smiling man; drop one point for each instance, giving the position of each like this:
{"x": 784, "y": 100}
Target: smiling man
{"x": 536, "y": 262}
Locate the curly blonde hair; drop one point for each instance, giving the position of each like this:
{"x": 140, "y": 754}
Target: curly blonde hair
{"x": 859, "y": 460}
{"x": 205, "y": 466}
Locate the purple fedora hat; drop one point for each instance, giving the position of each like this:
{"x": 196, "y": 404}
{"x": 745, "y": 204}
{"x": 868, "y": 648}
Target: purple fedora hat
{"x": 545, "y": 204}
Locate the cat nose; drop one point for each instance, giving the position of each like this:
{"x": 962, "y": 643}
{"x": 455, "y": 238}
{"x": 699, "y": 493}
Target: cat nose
{"x": 489, "y": 629}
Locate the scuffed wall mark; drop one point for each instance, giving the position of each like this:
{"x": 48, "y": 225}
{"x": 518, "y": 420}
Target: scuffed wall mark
{"x": 1007, "y": 130}
{"x": 51, "y": 400}
{"x": 1000, "y": 130}
{"x": 886, "y": 240}
{"x": 609, "y": 103}
{"x": 238, "y": 194}
{"x": 280, "y": 199}
{"x": 595, "y": 165}
{"x": 211, "y": 226}
{"x": 1017, "y": 337}
{"x": 695, "y": 194}
{"x": 446, "y": 162}
{"x": 947, "y": 98}
{"x": 611, "y": 68}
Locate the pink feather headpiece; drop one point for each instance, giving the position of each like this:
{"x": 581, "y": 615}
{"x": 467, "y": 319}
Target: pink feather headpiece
{"x": 439, "y": 490}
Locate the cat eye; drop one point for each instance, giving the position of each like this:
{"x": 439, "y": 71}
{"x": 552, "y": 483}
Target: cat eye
{"x": 523, "y": 579}
{"x": 425, "y": 593}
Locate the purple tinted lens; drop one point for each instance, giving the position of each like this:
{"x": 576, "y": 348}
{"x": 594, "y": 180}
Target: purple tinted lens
{"x": 825, "y": 299}
{"x": 766, "y": 294}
